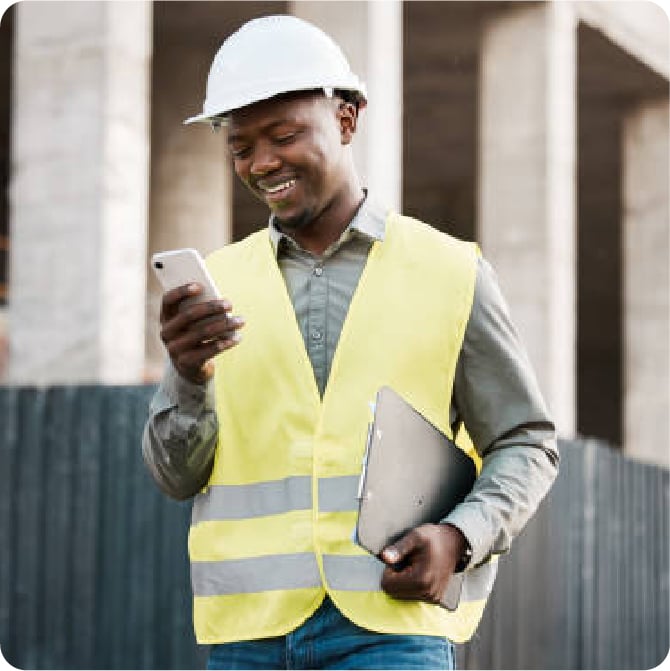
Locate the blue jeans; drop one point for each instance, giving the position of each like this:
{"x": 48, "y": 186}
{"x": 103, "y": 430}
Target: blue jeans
{"x": 327, "y": 640}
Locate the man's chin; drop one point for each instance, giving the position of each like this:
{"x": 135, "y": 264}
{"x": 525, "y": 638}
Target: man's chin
{"x": 295, "y": 222}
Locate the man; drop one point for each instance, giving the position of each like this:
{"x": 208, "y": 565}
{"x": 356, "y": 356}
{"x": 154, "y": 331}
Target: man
{"x": 263, "y": 409}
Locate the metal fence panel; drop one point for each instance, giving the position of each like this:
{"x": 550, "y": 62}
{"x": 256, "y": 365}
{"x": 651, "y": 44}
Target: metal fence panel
{"x": 94, "y": 570}
{"x": 586, "y": 584}
{"x": 93, "y": 565}
{"x": 9, "y": 432}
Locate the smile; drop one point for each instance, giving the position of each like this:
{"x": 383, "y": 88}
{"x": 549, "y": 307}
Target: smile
{"x": 277, "y": 191}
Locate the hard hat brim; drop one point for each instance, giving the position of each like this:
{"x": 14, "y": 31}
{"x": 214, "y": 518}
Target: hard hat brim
{"x": 221, "y": 117}
{"x": 202, "y": 118}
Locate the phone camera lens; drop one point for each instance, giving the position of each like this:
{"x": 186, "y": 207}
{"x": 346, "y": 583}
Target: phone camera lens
{"x": 158, "y": 265}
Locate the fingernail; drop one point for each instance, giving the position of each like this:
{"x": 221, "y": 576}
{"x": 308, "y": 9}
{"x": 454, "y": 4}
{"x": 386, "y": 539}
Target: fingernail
{"x": 391, "y": 555}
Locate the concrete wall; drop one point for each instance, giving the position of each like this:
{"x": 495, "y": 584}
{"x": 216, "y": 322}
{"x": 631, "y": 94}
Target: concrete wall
{"x": 79, "y": 191}
{"x": 527, "y": 184}
{"x": 440, "y": 101}
{"x": 6, "y": 46}
{"x": 612, "y": 84}
{"x": 520, "y": 124}
{"x": 639, "y": 27}
{"x": 647, "y": 282}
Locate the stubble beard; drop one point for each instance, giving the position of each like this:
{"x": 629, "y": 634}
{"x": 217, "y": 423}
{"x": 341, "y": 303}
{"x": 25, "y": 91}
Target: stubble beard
{"x": 297, "y": 223}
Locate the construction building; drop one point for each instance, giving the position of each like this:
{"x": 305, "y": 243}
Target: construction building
{"x": 539, "y": 129}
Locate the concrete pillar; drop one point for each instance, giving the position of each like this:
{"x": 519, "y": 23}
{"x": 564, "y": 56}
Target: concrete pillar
{"x": 527, "y": 184}
{"x": 646, "y": 246}
{"x": 370, "y": 34}
{"x": 78, "y": 192}
{"x": 191, "y": 180}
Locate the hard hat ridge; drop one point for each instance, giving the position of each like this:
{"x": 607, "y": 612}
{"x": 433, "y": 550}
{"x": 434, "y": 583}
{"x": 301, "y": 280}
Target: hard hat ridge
{"x": 269, "y": 56}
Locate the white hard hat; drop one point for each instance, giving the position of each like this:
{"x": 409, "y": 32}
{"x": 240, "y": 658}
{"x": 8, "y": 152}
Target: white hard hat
{"x": 270, "y": 56}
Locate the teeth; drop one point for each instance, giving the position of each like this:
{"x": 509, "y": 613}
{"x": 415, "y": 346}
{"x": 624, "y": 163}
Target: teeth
{"x": 279, "y": 187}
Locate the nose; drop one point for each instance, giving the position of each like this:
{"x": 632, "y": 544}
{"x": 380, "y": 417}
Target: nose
{"x": 264, "y": 160}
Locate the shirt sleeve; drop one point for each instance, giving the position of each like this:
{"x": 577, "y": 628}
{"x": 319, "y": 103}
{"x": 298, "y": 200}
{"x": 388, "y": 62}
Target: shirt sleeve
{"x": 180, "y": 435}
{"x": 497, "y": 397}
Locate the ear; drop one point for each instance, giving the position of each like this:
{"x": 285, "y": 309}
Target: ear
{"x": 347, "y": 117}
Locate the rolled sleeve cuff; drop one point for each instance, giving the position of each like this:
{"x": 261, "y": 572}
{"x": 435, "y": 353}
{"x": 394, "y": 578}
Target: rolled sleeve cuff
{"x": 190, "y": 397}
{"x": 468, "y": 519}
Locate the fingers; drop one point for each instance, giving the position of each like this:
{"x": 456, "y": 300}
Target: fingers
{"x": 195, "y": 347}
{"x": 417, "y": 582}
{"x": 399, "y": 551}
{"x": 178, "y": 310}
{"x": 405, "y": 576}
{"x": 192, "y": 363}
{"x": 419, "y": 565}
{"x": 193, "y": 333}
{"x": 200, "y": 323}
{"x": 172, "y": 299}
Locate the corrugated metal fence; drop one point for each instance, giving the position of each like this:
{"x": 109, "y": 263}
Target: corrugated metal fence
{"x": 586, "y": 585}
{"x": 94, "y": 573}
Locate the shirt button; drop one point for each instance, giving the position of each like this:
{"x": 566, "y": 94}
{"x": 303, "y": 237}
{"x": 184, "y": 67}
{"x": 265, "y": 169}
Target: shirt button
{"x": 316, "y": 335}
{"x": 318, "y": 271}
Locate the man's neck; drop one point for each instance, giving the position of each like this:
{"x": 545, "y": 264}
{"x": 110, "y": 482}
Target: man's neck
{"x": 327, "y": 228}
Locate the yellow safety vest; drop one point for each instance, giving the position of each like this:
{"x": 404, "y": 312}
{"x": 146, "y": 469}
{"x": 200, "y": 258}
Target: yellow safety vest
{"x": 272, "y": 531}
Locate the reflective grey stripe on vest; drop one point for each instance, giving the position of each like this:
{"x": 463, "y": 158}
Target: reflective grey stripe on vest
{"x": 358, "y": 573}
{"x": 361, "y": 573}
{"x": 255, "y": 574}
{"x": 239, "y": 502}
{"x": 274, "y": 497}
{"x": 338, "y": 494}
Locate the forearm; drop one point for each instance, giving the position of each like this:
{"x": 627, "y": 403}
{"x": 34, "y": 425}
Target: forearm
{"x": 514, "y": 479}
{"x": 497, "y": 397}
{"x": 180, "y": 436}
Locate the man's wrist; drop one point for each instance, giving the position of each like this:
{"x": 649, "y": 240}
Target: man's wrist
{"x": 464, "y": 561}
{"x": 466, "y": 551}
{"x": 192, "y": 397}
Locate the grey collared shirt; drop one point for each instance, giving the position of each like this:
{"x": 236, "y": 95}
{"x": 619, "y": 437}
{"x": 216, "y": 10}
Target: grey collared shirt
{"x": 495, "y": 390}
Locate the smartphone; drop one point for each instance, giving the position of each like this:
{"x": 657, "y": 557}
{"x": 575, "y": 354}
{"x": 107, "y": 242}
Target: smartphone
{"x": 183, "y": 266}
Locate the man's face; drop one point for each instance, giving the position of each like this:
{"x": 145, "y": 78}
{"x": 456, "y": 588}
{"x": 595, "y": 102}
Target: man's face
{"x": 289, "y": 152}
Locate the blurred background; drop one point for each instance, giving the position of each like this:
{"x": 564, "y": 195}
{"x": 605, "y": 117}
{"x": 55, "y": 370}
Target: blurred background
{"x": 538, "y": 129}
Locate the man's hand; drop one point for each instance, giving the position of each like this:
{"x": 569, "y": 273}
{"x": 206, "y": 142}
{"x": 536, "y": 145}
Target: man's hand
{"x": 424, "y": 560}
{"x": 194, "y": 335}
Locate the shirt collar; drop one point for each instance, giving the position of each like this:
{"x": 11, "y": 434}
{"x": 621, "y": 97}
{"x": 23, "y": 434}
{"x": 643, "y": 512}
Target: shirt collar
{"x": 369, "y": 222}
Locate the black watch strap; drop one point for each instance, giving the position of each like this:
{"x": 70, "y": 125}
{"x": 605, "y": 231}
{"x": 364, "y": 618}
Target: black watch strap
{"x": 464, "y": 561}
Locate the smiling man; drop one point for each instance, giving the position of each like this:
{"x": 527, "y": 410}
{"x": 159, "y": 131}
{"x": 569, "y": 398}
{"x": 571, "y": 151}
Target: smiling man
{"x": 293, "y": 152}
{"x": 263, "y": 409}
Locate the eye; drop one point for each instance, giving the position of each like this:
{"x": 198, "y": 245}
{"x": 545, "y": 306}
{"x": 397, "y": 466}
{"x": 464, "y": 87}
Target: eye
{"x": 285, "y": 138}
{"x": 240, "y": 153}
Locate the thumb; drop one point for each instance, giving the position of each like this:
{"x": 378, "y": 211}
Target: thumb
{"x": 398, "y": 551}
